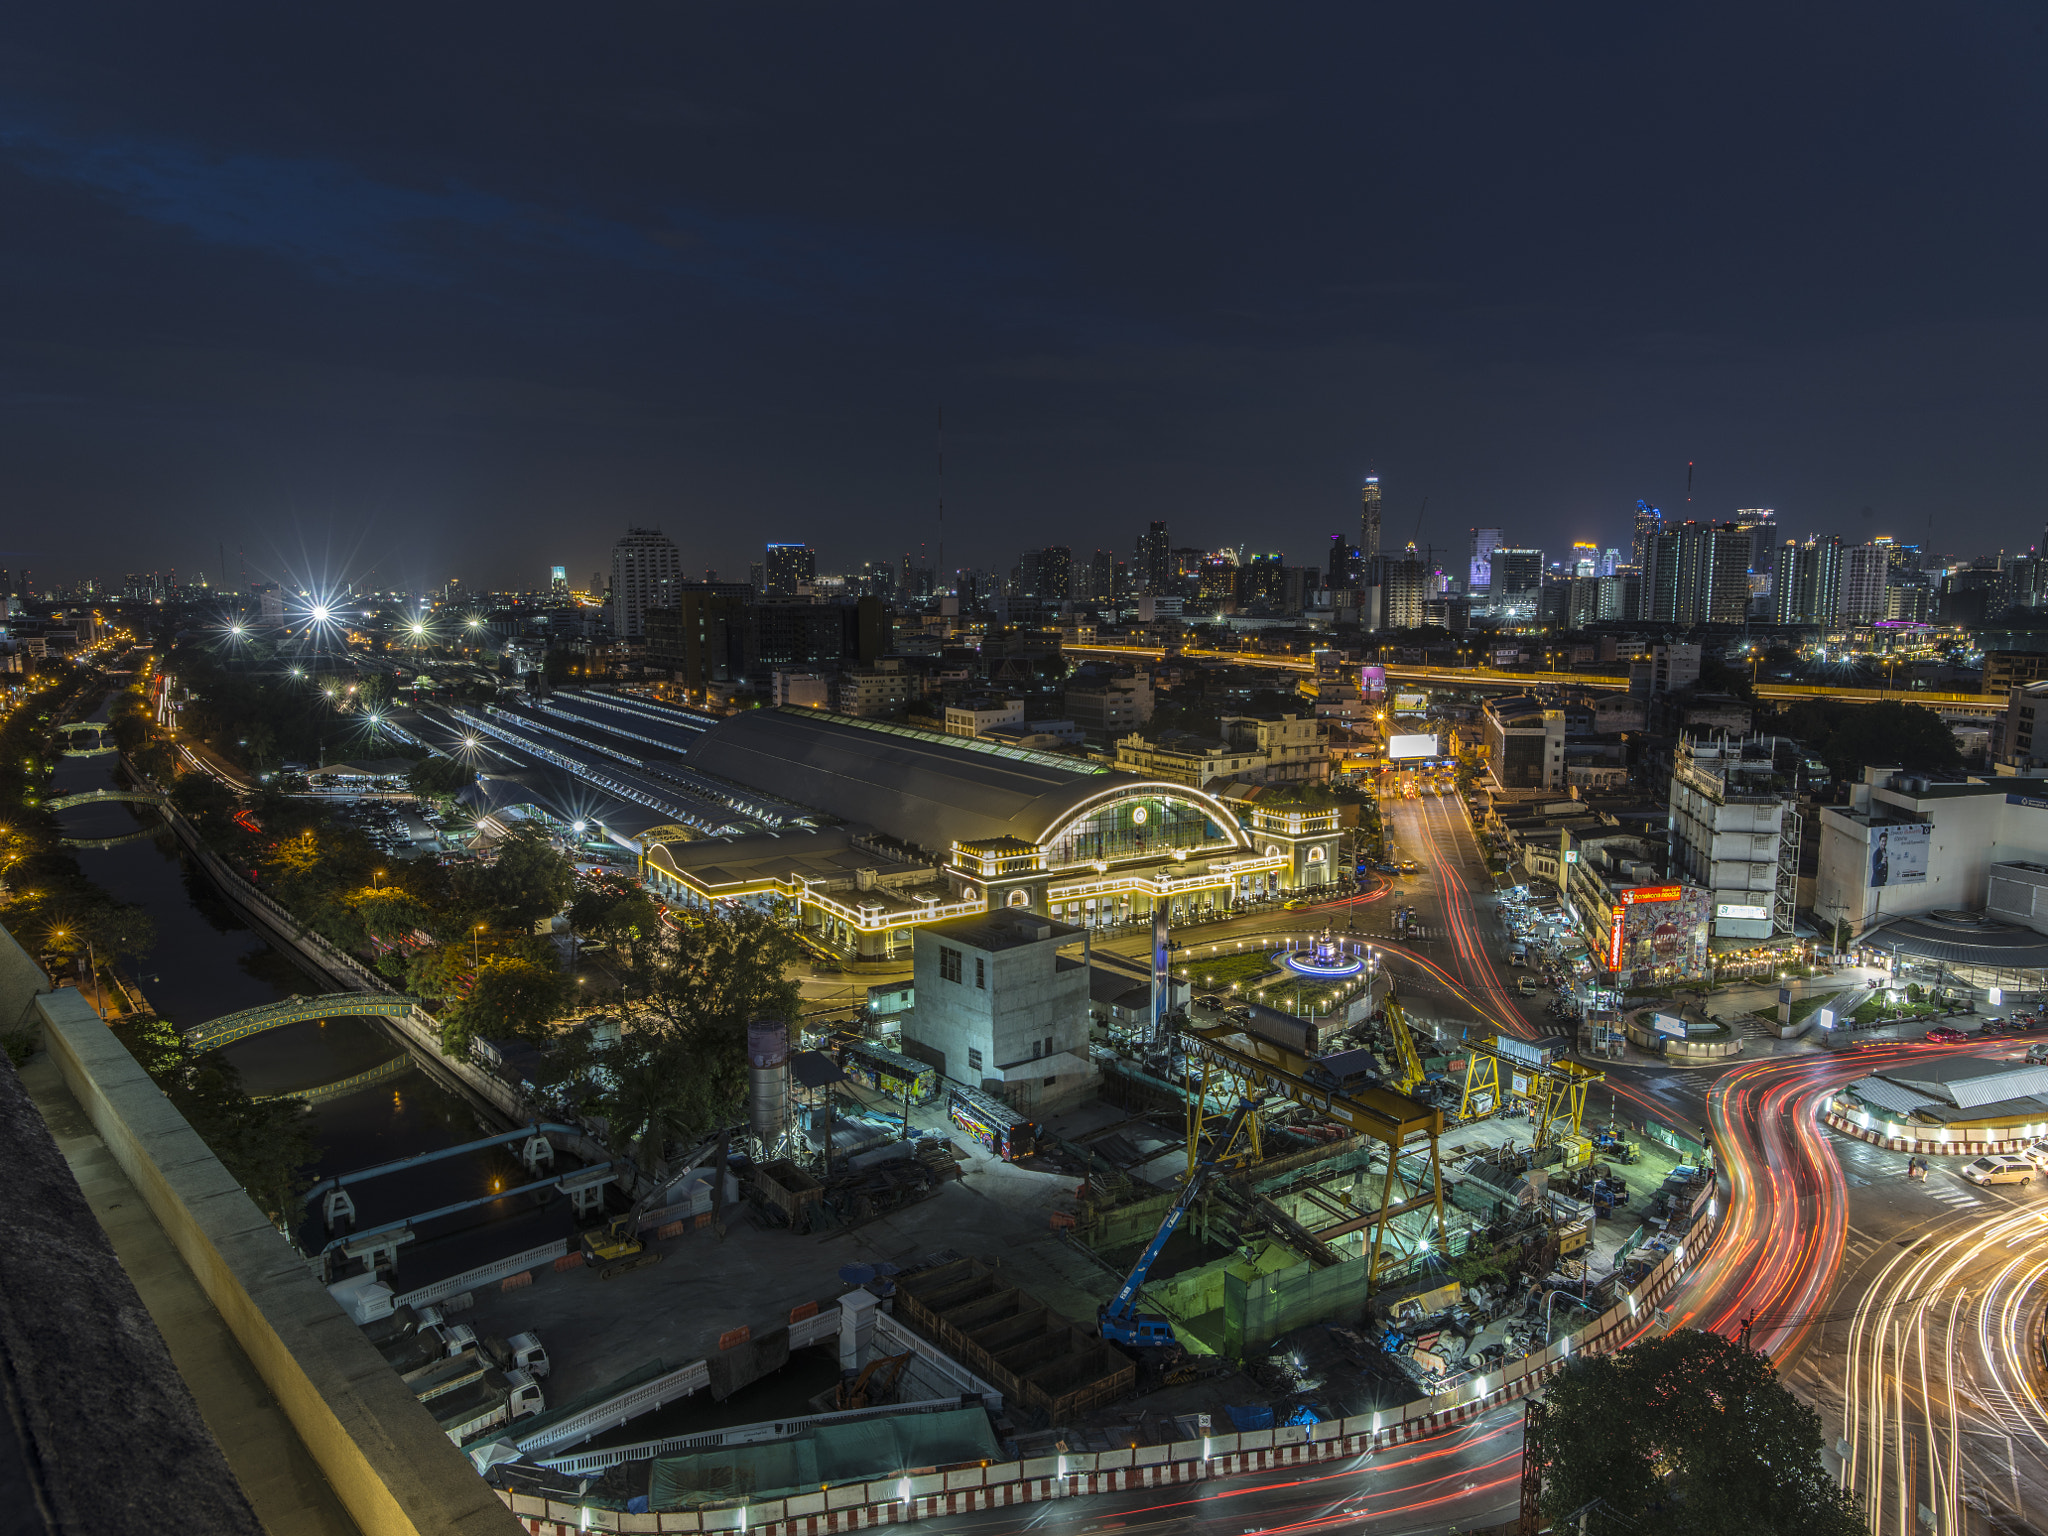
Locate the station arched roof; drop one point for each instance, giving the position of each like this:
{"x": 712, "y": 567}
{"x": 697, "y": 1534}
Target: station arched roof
{"x": 916, "y": 786}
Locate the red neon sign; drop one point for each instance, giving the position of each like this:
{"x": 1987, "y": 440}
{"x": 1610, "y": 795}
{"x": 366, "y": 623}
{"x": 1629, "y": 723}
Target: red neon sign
{"x": 1614, "y": 946}
{"x": 1644, "y": 895}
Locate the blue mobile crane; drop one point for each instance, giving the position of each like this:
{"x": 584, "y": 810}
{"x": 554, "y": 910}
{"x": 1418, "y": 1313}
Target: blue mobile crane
{"x": 1120, "y": 1320}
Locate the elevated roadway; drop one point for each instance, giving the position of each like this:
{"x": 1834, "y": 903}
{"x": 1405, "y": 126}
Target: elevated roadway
{"x": 1494, "y": 679}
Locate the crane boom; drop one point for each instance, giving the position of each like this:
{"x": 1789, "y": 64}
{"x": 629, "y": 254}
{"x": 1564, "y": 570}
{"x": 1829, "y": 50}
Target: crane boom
{"x": 1121, "y": 1321}
{"x": 1405, "y": 1054}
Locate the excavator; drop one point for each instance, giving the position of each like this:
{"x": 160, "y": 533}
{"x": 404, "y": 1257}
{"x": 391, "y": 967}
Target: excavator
{"x": 1120, "y": 1321}
{"x": 616, "y": 1248}
{"x": 864, "y": 1390}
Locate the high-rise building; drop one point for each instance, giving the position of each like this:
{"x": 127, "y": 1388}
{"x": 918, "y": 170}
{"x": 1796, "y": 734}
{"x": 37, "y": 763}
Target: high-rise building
{"x": 1806, "y": 581}
{"x": 1517, "y": 578}
{"x": 1762, "y": 524}
{"x": 789, "y": 568}
{"x": 1155, "y": 559}
{"x": 1046, "y": 574}
{"x": 1585, "y": 560}
{"x": 1262, "y": 578}
{"x": 1865, "y": 572}
{"x": 1479, "y": 583}
{"x": 1099, "y": 585}
{"x": 1649, "y": 524}
{"x": 1610, "y": 561}
{"x": 646, "y": 570}
{"x": 558, "y": 582}
{"x": 1404, "y": 584}
{"x": 1218, "y": 580}
{"x": 1346, "y": 564}
{"x": 1696, "y": 573}
{"x": 1369, "y": 519}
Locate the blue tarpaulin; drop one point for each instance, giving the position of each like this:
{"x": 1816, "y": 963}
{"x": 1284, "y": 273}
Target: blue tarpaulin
{"x": 1258, "y": 1416}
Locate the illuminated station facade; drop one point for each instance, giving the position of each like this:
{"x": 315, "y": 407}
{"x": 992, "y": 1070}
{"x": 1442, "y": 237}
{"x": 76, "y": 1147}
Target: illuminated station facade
{"x": 924, "y": 827}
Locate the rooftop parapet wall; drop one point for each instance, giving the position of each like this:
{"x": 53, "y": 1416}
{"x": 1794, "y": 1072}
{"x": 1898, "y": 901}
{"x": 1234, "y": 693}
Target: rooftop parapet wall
{"x": 393, "y": 1470}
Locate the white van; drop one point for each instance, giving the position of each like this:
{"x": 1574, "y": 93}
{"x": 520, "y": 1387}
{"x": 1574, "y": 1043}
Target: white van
{"x": 2000, "y": 1170}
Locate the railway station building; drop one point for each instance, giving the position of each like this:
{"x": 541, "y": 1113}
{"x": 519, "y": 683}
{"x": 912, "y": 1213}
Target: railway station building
{"x": 929, "y": 828}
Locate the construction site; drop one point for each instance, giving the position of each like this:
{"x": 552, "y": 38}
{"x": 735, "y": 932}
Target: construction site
{"x": 1258, "y": 1220}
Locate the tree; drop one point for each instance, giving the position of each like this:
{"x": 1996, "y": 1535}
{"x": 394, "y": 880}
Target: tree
{"x": 678, "y": 1063}
{"x": 512, "y": 998}
{"x": 200, "y": 796}
{"x": 1851, "y": 737}
{"x": 529, "y": 880}
{"x": 439, "y": 777}
{"x": 1689, "y": 1434}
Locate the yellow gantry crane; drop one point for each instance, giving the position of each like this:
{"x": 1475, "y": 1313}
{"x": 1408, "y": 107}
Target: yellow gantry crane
{"x": 1500, "y": 1072}
{"x": 1407, "y": 1058}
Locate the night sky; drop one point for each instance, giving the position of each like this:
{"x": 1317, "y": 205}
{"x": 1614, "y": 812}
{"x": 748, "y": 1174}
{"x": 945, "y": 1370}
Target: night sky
{"x": 464, "y": 290}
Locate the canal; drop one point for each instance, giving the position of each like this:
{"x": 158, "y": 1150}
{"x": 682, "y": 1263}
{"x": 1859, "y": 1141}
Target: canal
{"x": 206, "y": 962}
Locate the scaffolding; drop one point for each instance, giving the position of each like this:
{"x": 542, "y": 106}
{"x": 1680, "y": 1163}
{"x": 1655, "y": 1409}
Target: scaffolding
{"x": 1227, "y": 1065}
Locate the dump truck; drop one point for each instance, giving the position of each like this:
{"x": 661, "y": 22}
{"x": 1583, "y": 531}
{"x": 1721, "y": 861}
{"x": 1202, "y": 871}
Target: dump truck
{"x": 490, "y": 1400}
{"x": 521, "y": 1352}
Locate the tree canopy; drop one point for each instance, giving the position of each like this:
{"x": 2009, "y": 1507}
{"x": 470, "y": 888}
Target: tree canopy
{"x": 676, "y": 1063}
{"x": 1690, "y": 1435}
{"x": 1851, "y": 737}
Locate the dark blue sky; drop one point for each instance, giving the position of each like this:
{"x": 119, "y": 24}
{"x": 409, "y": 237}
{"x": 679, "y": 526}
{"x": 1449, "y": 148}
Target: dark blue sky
{"x": 467, "y": 289}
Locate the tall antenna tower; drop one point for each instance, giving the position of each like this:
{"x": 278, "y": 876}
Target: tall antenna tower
{"x": 939, "y": 576}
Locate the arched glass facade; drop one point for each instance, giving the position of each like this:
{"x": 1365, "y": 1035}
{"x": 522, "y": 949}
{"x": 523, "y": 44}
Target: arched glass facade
{"x": 1144, "y": 825}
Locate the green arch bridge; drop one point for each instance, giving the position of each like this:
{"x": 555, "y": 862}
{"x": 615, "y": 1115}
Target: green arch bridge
{"x": 231, "y": 1027}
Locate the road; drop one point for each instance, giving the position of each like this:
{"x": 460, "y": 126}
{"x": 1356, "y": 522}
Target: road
{"x": 1468, "y": 1477}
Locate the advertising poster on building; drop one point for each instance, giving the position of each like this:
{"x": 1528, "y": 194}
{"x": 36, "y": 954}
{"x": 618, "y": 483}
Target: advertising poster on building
{"x": 1659, "y": 933}
{"x": 1898, "y": 855}
{"x": 1372, "y": 683}
{"x": 1410, "y": 703}
{"x": 1401, "y": 748}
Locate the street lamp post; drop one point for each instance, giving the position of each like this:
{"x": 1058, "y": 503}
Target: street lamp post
{"x": 475, "y": 947}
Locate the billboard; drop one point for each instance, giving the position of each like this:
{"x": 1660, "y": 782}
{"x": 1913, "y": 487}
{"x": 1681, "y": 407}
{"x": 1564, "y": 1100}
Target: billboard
{"x": 1898, "y": 855}
{"x": 1650, "y": 895}
{"x": 1411, "y": 703}
{"x": 1372, "y": 682}
{"x": 1669, "y": 1024}
{"x": 1399, "y": 747}
{"x": 1482, "y": 573}
{"x": 1661, "y": 932}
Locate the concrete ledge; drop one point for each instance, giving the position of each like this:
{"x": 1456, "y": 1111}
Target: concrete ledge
{"x": 389, "y": 1464}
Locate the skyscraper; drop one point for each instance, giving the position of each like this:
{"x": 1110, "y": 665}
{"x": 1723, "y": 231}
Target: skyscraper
{"x": 646, "y": 570}
{"x": 1865, "y": 572}
{"x": 1762, "y": 524}
{"x": 788, "y": 568}
{"x": 1479, "y": 579}
{"x": 1696, "y": 573}
{"x": 1369, "y": 520}
{"x": 1155, "y": 559}
{"x": 558, "y": 582}
{"x": 1585, "y": 559}
{"x": 1806, "y": 582}
{"x": 1517, "y": 578}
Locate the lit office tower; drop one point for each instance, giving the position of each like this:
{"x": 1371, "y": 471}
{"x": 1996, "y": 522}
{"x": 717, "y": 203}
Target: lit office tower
{"x": 646, "y": 570}
{"x": 1649, "y": 523}
{"x": 1585, "y": 559}
{"x": 1369, "y": 519}
{"x": 1479, "y": 582}
{"x": 788, "y": 568}
{"x": 558, "y": 582}
{"x": 1762, "y": 524}
{"x": 1866, "y": 569}
{"x": 1517, "y": 579}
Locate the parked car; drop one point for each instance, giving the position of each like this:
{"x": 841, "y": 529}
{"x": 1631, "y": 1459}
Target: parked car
{"x": 2035, "y": 1154}
{"x": 1992, "y": 1027}
{"x": 1944, "y": 1034}
{"x": 1526, "y": 986}
{"x": 2000, "y": 1170}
